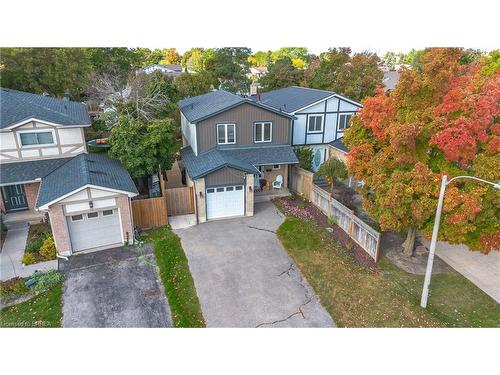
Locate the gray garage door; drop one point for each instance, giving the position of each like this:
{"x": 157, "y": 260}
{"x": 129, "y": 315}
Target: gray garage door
{"x": 94, "y": 229}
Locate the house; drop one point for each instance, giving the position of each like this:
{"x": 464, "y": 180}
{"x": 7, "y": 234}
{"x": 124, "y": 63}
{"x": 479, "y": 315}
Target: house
{"x": 45, "y": 167}
{"x": 390, "y": 80}
{"x": 236, "y": 151}
{"x": 320, "y": 118}
{"x": 171, "y": 70}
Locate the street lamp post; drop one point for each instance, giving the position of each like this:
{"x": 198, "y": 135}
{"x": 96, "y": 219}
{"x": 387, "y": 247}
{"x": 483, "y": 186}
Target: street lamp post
{"x": 435, "y": 231}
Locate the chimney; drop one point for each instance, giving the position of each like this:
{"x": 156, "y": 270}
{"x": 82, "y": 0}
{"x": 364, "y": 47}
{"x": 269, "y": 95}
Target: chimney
{"x": 254, "y": 88}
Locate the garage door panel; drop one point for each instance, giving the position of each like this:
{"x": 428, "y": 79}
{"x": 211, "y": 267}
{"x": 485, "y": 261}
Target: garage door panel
{"x": 225, "y": 201}
{"x": 91, "y": 232}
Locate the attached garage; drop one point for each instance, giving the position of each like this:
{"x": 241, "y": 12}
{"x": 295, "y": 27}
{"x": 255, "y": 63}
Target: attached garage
{"x": 94, "y": 229}
{"x": 225, "y": 201}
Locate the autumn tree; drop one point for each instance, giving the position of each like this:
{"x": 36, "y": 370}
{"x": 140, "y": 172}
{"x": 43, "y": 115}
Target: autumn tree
{"x": 230, "y": 67}
{"x": 171, "y": 56}
{"x": 281, "y": 74}
{"x": 440, "y": 119}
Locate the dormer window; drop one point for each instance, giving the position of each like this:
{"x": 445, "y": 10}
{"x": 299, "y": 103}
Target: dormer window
{"x": 226, "y": 134}
{"x": 37, "y": 138}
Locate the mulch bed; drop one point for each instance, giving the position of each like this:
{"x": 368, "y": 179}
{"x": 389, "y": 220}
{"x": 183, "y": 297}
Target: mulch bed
{"x": 308, "y": 211}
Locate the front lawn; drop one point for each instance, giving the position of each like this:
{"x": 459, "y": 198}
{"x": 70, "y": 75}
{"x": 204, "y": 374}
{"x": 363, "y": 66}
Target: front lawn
{"x": 176, "y": 277}
{"x": 356, "y": 296}
{"x": 44, "y": 310}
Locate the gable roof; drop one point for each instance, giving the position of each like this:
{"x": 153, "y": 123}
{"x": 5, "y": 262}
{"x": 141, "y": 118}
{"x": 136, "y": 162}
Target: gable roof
{"x": 339, "y": 145}
{"x": 18, "y": 106}
{"x": 81, "y": 170}
{"x": 293, "y": 98}
{"x": 201, "y": 107}
{"x": 28, "y": 171}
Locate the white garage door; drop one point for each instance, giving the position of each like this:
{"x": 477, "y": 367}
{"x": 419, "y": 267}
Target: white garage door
{"x": 94, "y": 229}
{"x": 225, "y": 201}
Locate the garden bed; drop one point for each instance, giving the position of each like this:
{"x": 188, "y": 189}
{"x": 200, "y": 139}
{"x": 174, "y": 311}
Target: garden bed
{"x": 294, "y": 205}
{"x": 40, "y": 245}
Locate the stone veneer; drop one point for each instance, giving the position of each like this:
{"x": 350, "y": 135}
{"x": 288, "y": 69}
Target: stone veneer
{"x": 249, "y": 195}
{"x": 123, "y": 203}
{"x": 199, "y": 186}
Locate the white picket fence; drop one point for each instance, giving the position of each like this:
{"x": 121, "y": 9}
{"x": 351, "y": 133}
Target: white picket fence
{"x": 364, "y": 235}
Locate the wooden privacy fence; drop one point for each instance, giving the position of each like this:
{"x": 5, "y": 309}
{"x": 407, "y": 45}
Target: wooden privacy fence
{"x": 302, "y": 181}
{"x": 180, "y": 201}
{"x": 364, "y": 235}
{"x": 150, "y": 213}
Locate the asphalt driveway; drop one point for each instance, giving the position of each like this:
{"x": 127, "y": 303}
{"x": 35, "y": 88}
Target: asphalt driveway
{"x": 244, "y": 277}
{"x": 114, "y": 288}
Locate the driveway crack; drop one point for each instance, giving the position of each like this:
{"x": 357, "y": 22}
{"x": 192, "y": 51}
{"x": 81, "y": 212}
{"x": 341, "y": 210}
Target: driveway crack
{"x": 291, "y": 271}
{"x": 262, "y": 229}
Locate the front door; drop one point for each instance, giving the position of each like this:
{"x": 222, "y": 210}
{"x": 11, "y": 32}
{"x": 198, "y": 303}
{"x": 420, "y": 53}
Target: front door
{"x": 14, "y": 197}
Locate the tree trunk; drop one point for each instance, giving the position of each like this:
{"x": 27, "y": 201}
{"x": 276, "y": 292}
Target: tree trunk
{"x": 409, "y": 243}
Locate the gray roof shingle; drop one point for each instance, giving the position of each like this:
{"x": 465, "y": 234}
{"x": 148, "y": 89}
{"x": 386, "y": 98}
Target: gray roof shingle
{"x": 17, "y": 106}
{"x": 293, "y": 98}
{"x": 244, "y": 159}
{"x": 338, "y": 144}
{"x": 202, "y": 106}
{"x": 26, "y": 171}
{"x": 81, "y": 170}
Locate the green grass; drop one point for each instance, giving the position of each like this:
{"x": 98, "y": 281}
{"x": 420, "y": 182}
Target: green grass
{"x": 44, "y": 310}
{"x": 176, "y": 277}
{"x": 357, "y": 297}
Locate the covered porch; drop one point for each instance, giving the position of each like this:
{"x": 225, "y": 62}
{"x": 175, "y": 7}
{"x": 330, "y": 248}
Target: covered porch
{"x": 271, "y": 182}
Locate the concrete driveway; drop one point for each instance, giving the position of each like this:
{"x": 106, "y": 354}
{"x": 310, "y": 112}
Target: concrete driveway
{"x": 244, "y": 278}
{"x": 114, "y": 288}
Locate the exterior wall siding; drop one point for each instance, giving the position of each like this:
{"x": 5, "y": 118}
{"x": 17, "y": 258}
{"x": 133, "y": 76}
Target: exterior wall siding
{"x": 225, "y": 176}
{"x": 330, "y": 110}
{"x": 244, "y": 117}
{"x": 67, "y": 142}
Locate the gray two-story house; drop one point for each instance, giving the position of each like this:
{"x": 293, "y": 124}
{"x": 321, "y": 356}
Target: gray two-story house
{"x": 235, "y": 150}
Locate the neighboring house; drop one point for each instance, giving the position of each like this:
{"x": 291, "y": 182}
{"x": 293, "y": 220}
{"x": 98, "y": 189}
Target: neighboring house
{"x": 390, "y": 80}
{"x": 257, "y": 72}
{"x": 44, "y": 166}
{"x": 171, "y": 70}
{"x": 235, "y": 150}
{"x": 320, "y": 117}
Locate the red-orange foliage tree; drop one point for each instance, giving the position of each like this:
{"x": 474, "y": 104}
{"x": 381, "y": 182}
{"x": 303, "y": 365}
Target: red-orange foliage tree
{"x": 441, "y": 119}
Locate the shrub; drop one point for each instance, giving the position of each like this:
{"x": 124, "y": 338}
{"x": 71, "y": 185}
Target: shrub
{"x": 302, "y": 205}
{"x": 332, "y": 220}
{"x": 291, "y": 197}
{"x": 304, "y": 198}
{"x": 305, "y": 156}
{"x": 47, "y": 280}
{"x": 13, "y": 288}
{"x": 48, "y": 249}
{"x": 34, "y": 245}
{"x": 29, "y": 258}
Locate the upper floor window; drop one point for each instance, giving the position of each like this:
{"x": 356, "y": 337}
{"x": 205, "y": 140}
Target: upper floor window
{"x": 315, "y": 124}
{"x": 226, "y": 134}
{"x": 262, "y": 132}
{"x": 36, "y": 138}
{"x": 344, "y": 120}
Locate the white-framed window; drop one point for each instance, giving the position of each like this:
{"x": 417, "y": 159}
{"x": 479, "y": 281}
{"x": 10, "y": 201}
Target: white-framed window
{"x": 77, "y": 217}
{"x": 315, "y": 124}
{"x": 33, "y": 138}
{"x": 230, "y": 188}
{"x": 226, "y": 134}
{"x": 210, "y": 191}
{"x": 92, "y": 215}
{"x": 262, "y": 132}
{"x": 344, "y": 119}
{"x": 239, "y": 187}
{"x": 107, "y": 212}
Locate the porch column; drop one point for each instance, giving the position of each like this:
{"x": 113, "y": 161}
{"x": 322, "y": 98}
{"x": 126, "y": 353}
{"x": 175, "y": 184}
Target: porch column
{"x": 249, "y": 189}
{"x": 60, "y": 230}
{"x": 199, "y": 187}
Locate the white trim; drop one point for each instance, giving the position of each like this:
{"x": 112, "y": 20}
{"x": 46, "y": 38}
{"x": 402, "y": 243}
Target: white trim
{"x": 22, "y": 182}
{"x": 37, "y": 145}
{"x": 338, "y": 122}
{"x": 338, "y": 96}
{"x": 322, "y": 124}
{"x": 349, "y": 101}
{"x": 226, "y": 125}
{"x": 31, "y": 119}
{"x": 263, "y": 131}
{"x": 47, "y": 205}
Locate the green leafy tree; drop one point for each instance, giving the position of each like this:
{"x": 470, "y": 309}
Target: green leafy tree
{"x": 194, "y": 60}
{"x": 144, "y": 148}
{"x": 305, "y": 156}
{"x": 333, "y": 169}
{"x": 117, "y": 61}
{"x": 230, "y": 67}
{"x": 356, "y": 77}
{"x": 280, "y": 74}
{"x": 260, "y": 58}
{"x": 56, "y": 71}
{"x": 298, "y": 55}
{"x": 193, "y": 84}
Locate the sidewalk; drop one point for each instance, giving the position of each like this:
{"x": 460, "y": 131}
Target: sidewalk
{"x": 482, "y": 270}
{"x": 12, "y": 252}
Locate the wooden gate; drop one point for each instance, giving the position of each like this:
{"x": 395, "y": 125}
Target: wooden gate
{"x": 150, "y": 213}
{"x": 180, "y": 201}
